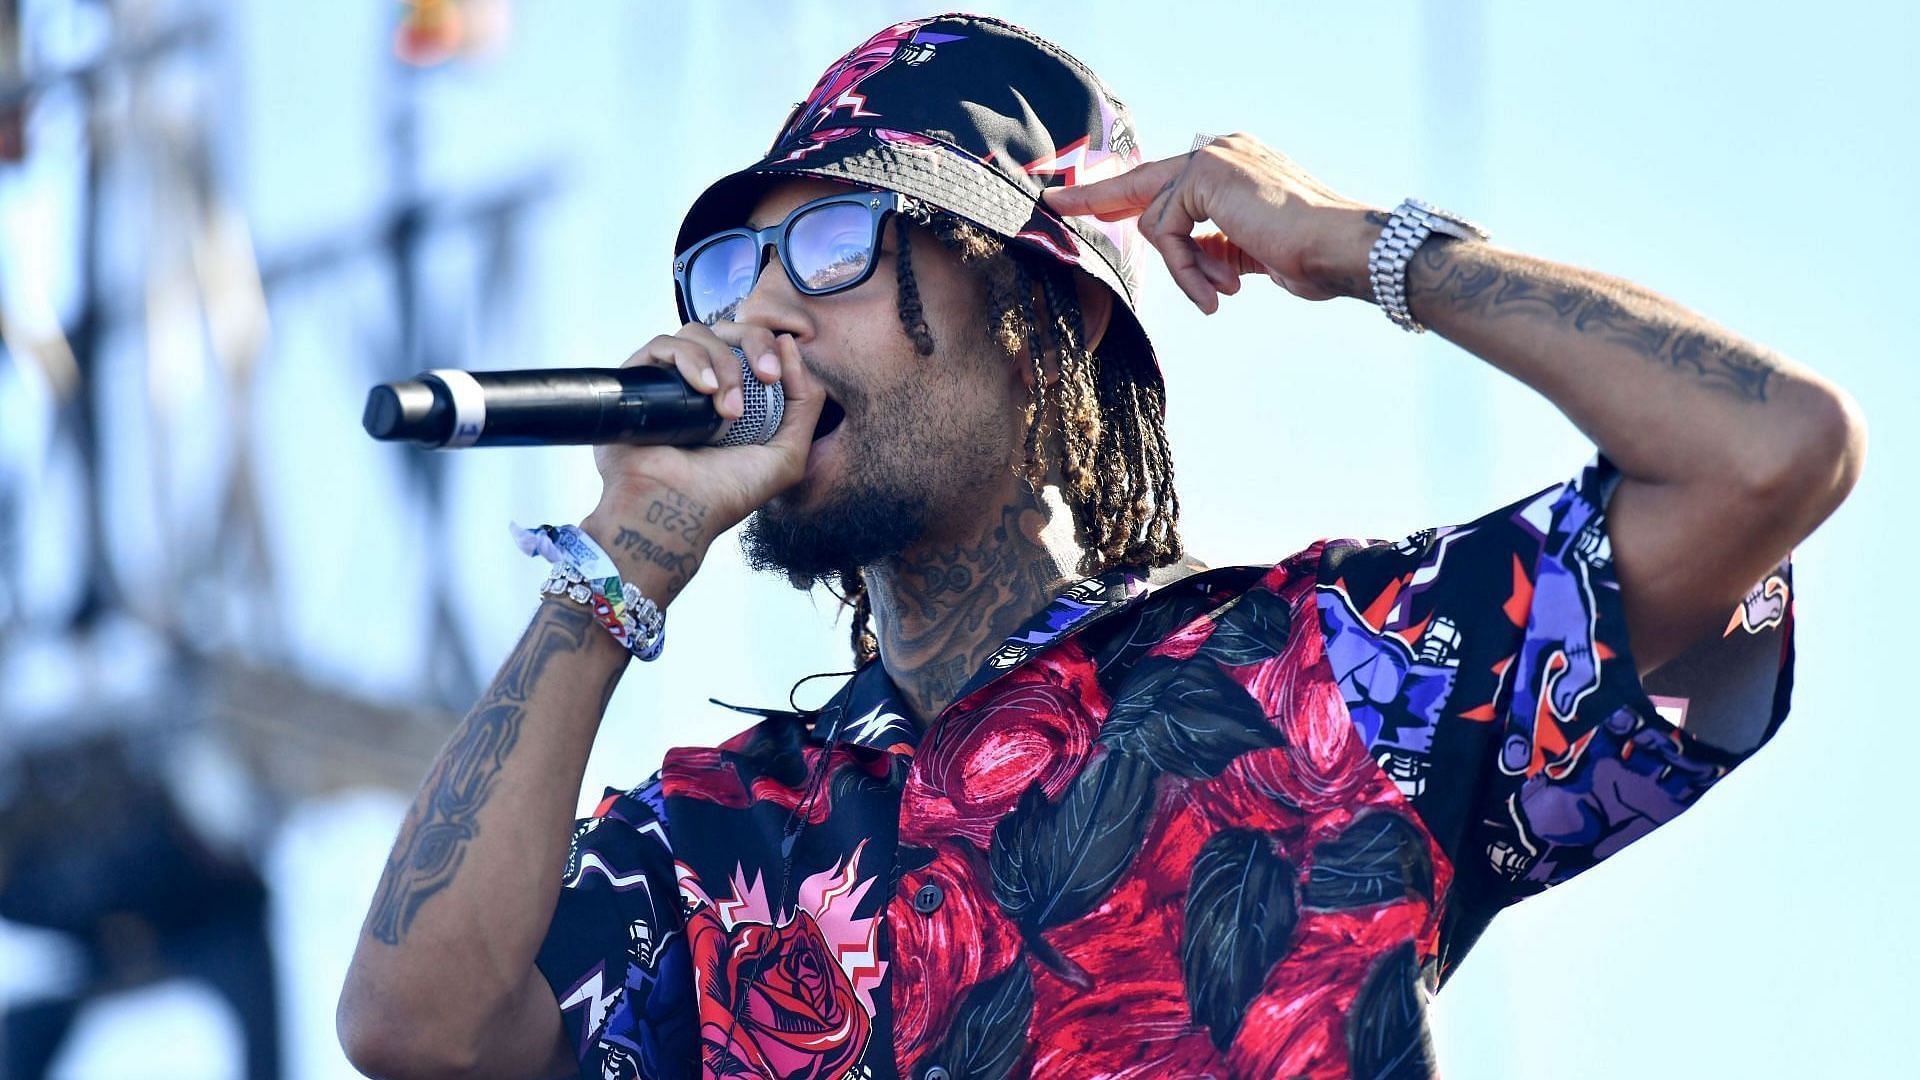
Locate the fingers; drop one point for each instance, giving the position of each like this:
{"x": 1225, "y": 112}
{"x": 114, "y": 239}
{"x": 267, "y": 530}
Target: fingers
{"x": 1168, "y": 223}
{"x": 1224, "y": 261}
{"x": 1158, "y": 193}
{"x": 688, "y": 358}
{"x": 1183, "y": 259}
{"x": 697, "y": 363}
{"x": 1215, "y": 246}
{"x": 719, "y": 340}
{"x": 805, "y": 398}
{"x": 1119, "y": 197}
{"x": 1170, "y": 198}
{"x": 704, "y": 357}
{"x": 1221, "y": 276}
{"x": 756, "y": 341}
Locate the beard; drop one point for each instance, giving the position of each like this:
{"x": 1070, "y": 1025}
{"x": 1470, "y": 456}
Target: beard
{"x": 910, "y": 460}
{"x": 861, "y": 523}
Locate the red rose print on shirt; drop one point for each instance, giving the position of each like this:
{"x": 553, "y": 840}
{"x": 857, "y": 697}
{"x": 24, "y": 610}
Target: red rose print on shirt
{"x": 787, "y": 996}
{"x": 974, "y": 766}
{"x": 797, "y": 1013}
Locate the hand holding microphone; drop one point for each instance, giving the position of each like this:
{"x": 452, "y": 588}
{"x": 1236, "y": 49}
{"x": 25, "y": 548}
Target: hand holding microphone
{"x": 449, "y": 409}
{"x": 691, "y": 434}
{"x": 713, "y": 489}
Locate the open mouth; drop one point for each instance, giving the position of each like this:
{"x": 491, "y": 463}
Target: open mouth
{"x": 831, "y": 415}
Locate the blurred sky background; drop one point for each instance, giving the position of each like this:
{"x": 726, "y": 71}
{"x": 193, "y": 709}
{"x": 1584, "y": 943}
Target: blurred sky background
{"x": 1754, "y": 160}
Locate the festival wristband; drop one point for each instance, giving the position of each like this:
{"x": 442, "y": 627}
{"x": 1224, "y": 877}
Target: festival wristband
{"x": 585, "y": 574}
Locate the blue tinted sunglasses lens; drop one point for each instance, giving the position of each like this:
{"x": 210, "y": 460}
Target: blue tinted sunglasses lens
{"x": 719, "y": 277}
{"x": 831, "y": 246}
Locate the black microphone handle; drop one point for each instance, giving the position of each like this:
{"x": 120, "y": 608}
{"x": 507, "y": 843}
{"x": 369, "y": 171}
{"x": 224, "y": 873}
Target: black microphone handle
{"x": 544, "y": 407}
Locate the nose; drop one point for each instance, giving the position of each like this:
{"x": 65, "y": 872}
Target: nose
{"x": 773, "y": 302}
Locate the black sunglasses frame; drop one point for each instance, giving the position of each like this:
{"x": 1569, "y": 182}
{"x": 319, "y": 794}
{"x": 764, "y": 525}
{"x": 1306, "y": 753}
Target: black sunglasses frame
{"x": 879, "y": 204}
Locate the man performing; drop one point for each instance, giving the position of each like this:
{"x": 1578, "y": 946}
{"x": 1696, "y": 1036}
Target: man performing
{"x": 1087, "y": 808}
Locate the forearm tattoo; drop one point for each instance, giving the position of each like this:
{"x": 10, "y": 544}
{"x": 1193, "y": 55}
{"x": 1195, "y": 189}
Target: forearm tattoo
{"x": 445, "y": 817}
{"x": 1482, "y": 281}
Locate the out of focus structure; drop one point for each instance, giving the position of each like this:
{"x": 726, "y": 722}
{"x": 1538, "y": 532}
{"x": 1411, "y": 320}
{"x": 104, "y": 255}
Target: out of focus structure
{"x": 156, "y": 721}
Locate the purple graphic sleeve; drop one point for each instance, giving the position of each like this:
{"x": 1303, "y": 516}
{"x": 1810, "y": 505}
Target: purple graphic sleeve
{"x": 1589, "y": 758}
{"x": 1486, "y": 667}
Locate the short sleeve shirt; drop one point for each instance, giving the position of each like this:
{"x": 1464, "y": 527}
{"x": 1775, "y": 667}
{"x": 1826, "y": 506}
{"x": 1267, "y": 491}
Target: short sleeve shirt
{"x": 1239, "y": 825}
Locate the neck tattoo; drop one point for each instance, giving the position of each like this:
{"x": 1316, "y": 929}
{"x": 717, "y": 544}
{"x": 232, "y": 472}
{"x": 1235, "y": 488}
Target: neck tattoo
{"x": 941, "y": 611}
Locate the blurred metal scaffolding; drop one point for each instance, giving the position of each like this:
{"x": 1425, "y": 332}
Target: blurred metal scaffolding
{"x": 125, "y": 700}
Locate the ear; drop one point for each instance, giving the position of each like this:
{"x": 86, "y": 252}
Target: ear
{"x": 1096, "y": 314}
{"x": 1096, "y": 307}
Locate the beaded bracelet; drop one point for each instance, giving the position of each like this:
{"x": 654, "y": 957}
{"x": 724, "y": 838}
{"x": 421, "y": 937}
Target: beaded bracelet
{"x": 583, "y": 573}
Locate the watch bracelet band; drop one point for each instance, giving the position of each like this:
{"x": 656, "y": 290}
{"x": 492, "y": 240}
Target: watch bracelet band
{"x": 1387, "y": 264}
{"x": 1411, "y": 225}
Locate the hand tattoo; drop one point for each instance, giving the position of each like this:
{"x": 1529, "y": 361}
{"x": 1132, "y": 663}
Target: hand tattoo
{"x": 679, "y": 564}
{"x": 676, "y": 540}
{"x": 679, "y": 515}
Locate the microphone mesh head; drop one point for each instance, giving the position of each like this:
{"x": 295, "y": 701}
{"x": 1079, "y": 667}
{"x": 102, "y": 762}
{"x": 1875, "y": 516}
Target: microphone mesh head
{"x": 762, "y": 406}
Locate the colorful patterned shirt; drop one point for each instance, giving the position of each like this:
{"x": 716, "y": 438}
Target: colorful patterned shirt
{"x": 1240, "y": 825}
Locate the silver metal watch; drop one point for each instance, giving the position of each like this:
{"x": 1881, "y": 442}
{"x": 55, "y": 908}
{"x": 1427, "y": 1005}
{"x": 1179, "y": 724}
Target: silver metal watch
{"x": 1412, "y": 222}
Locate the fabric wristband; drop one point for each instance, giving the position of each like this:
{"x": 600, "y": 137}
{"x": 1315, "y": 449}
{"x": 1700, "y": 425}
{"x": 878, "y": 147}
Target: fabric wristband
{"x": 585, "y": 574}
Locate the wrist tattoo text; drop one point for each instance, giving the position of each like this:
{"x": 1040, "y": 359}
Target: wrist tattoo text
{"x": 679, "y": 514}
{"x": 679, "y": 564}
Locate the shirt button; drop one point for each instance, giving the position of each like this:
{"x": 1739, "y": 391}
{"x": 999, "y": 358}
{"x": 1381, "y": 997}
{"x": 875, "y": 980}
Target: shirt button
{"x": 926, "y": 902}
{"x": 935, "y": 1072}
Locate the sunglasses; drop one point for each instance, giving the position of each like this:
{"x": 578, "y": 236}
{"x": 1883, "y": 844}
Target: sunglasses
{"x": 825, "y": 246}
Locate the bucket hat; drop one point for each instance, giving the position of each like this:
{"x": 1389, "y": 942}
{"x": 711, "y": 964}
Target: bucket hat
{"x": 971, "y": 115}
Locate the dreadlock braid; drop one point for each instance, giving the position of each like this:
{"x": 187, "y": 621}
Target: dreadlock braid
{"x": 1115, "y": 462}
{"x": 1120, "y": 493}
{"x": 912, "y": 318}
{"x": 1088, "y": 427}
{"x": 1164, "y": 535}
{"x": 853, "y": 585}
{"x": 1036, "y": 411}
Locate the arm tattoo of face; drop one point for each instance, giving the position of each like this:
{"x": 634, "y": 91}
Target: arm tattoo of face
{"x": 1478, "y": 280}
{"x": 445, "y": 816}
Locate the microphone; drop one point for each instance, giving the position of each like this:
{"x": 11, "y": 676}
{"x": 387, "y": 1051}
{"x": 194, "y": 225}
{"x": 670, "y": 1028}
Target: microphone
{"x": 449, "y": 409}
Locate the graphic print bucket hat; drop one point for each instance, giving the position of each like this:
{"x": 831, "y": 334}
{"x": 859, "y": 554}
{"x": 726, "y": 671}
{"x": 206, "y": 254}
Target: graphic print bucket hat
{"x": 973, "y": 116}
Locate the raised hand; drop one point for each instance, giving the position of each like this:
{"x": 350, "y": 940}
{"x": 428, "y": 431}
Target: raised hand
{"x": 1271, "y": 218}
